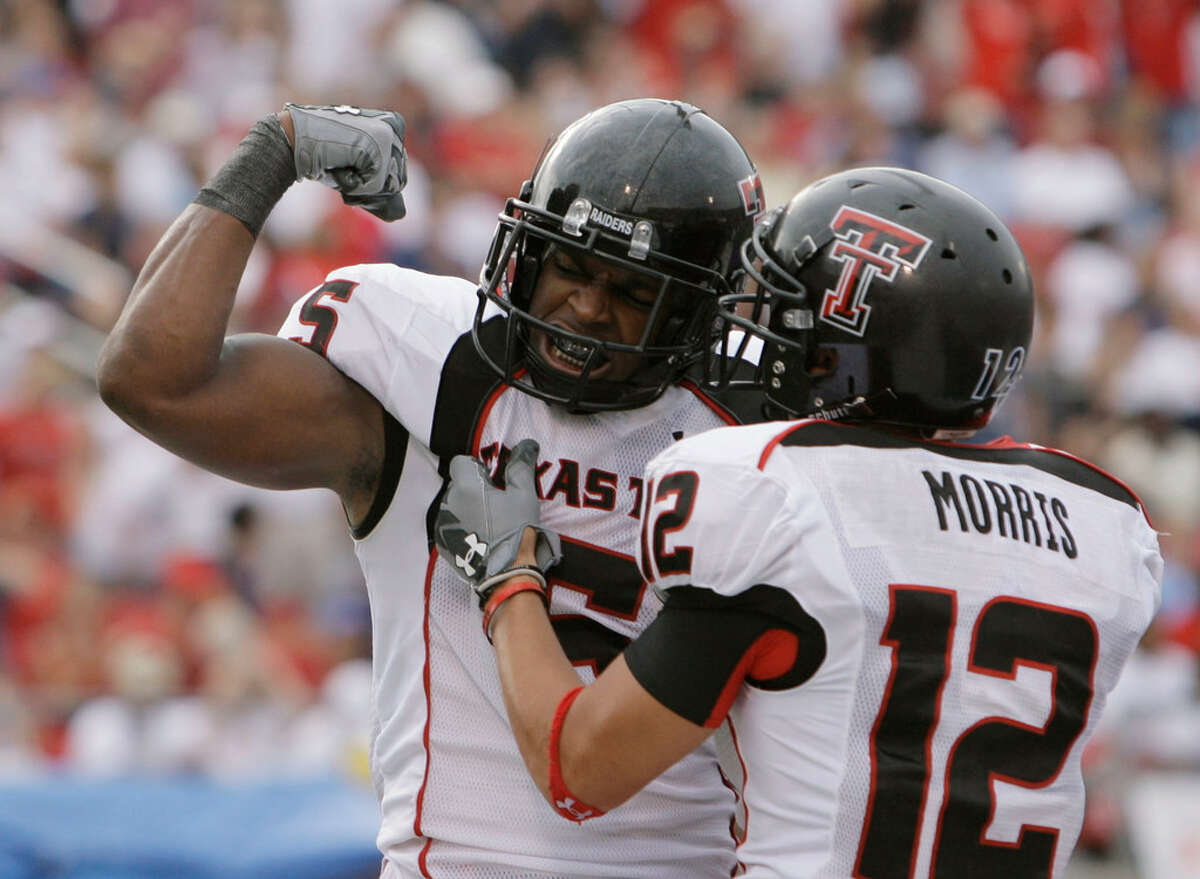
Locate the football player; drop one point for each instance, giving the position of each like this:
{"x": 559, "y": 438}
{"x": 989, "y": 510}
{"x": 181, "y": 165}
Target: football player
{"x": 598, "y": 294}
{"x": 913, "y": 637}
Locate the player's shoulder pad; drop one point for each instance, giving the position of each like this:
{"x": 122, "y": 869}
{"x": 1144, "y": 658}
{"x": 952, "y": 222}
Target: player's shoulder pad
{"x": 1073, "y": 469}
{"x": 383, "y": 286}
{"x": 729, "y": 446}
{"x": 814, "y": 433}
{"x": 713, "y": 519}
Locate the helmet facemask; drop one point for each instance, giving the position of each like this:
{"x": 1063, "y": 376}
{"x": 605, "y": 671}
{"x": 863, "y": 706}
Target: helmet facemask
{"x": 679, "y": 323}
{"x": 771, "y": 307}
{"x": 648, "y": 200}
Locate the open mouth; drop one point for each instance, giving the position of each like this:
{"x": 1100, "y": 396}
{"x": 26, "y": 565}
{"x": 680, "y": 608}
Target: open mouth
{"x": 571, "y": 357}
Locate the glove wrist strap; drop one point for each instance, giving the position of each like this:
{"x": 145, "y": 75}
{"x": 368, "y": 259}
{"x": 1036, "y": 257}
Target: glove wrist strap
{"x": 255, "y": 177}
{"x": 490, "y": 584}
{"x": 518, "y": 580}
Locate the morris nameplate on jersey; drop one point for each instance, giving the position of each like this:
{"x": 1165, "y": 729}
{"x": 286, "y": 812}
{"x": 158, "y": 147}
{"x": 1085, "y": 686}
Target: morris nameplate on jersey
{"x": 1000, "y": 509}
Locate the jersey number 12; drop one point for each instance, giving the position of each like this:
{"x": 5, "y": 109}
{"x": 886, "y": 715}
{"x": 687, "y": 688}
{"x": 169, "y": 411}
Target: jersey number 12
{"x": 1008, "y": 632}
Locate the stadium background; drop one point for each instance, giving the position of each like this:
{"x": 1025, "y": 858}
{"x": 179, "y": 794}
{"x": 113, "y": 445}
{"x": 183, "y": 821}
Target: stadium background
{"x": 184, "y": 670}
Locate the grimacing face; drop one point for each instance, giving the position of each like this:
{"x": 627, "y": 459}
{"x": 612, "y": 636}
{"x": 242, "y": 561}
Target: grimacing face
{"x": 590, "y": 296}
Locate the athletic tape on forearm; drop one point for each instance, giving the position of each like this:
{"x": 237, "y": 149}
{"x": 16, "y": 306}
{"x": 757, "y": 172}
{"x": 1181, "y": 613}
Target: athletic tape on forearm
{"x": 255, "y": 177}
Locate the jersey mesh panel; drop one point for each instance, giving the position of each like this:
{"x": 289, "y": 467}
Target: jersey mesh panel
{"x": 870, "y": 573}
{"x": 979, "y": 568}
{"x": 479, "y": 799}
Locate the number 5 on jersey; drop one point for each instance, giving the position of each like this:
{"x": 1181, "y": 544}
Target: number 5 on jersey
{"x": 323, "y": 318}
{"x": 669, "y": 504}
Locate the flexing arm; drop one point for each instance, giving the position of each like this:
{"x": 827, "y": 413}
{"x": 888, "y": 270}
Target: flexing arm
{"x": 252, "y": 407}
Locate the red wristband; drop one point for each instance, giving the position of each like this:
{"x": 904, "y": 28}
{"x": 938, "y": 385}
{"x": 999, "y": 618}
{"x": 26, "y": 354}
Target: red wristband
{"x": 567, "y": 805}
{"x": 501, "y": 594}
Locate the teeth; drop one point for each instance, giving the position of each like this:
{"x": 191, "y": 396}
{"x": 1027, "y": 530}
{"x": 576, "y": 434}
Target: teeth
{"x": 575, "y": 354}
{"x": 562, "y": 355}
{"x": 573, "y": 349}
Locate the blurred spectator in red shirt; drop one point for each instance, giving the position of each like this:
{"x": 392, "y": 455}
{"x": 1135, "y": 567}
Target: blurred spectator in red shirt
{"x": 693, "y": 40}
{"x": 1155, "y": 34}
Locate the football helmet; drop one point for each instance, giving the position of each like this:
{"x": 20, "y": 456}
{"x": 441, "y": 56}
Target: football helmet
{"x": 653, "y": 187}
{"x": 882, "y": 294}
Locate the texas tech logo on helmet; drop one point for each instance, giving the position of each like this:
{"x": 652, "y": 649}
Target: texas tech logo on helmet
{"x": 869, "y": 248}
{"x": 751, "y": 189}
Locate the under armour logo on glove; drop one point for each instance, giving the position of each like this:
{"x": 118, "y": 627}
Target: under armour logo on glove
{"x": 479, "y": 525}
{"x": 476, "y": 548}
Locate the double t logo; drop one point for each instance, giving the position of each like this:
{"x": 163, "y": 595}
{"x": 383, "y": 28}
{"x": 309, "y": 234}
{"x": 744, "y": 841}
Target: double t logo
{"x": 868, "y": 247}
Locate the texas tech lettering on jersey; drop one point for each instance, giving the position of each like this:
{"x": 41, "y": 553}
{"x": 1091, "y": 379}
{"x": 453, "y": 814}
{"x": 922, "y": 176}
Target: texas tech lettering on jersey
{"x": 566, "y": 481}
{"x": 869, "y": 248}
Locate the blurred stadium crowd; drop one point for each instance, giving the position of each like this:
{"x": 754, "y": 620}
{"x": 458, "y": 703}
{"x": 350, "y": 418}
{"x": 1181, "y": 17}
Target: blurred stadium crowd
{"x": 154, "y": 618}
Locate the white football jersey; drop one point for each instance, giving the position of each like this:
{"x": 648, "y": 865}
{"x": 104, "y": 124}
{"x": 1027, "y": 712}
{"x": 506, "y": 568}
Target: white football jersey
{"x": 977, "y": 606}
{"x": 456, "y": 798}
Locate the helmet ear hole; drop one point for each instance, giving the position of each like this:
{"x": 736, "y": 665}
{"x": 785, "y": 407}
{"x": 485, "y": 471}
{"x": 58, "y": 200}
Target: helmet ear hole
{"x": 824, "y": 361}
{"x": 525, "y": 277}
{"x": 526, "y": 266}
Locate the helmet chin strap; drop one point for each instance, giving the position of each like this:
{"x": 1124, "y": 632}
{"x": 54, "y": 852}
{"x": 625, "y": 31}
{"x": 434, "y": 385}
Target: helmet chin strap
{"x": 861, "y": 408}
{"x": 844, "y": 410}
{"x": 855, "y": 408}
{"x": 942, "y": 433}
{"x": 851, "y": 408}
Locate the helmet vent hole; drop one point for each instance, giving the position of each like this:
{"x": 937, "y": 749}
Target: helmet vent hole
{"x": 906, "y": 207}
{"x": 1007, "y": 275}
{"x": 859, "y": 183}
{"x": 991, "y": 233}
{"x": 948, "y": 253}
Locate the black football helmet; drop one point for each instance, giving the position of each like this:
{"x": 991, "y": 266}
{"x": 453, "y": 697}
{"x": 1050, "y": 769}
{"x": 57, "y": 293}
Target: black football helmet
{"x": 651, "y": 186}
{"x": 882, "y": 294}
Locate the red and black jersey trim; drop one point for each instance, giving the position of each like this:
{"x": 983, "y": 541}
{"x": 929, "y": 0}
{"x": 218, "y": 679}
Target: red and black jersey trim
{"x": 686, "y": 658}
{"x": 465, "y": 389}
{"x": 395, "y": 450}
{"x": 1005, "y": 451}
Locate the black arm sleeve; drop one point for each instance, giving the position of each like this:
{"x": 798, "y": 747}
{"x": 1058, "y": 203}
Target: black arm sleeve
{"x": 686, "y": 657}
